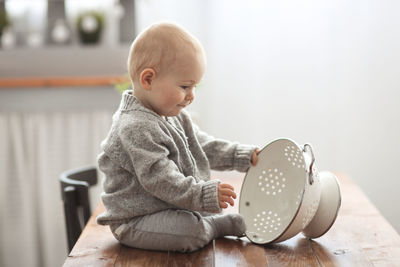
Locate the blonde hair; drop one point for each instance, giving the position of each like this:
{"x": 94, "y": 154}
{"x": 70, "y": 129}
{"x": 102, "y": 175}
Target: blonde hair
{"x": 157, "y": 47}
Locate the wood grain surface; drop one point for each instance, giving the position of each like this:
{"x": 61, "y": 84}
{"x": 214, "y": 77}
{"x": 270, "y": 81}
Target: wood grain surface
{"x": 359, "y": 237}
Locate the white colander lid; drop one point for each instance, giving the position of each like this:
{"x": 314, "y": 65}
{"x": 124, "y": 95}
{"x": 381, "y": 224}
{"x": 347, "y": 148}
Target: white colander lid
{"x": 272, "y": 191}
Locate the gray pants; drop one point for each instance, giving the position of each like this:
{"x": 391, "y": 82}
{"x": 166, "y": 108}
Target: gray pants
{"x": 168, "y": 230}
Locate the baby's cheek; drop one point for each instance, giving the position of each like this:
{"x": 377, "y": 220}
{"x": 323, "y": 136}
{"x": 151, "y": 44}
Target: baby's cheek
{"x": 170, "y": 99}
{"x": 178, "y": 98}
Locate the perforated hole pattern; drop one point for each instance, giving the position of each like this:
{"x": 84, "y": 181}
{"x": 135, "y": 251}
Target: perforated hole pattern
{"x": 267, "y": 221}
{"x": 294, "y": 156}
{"x": 272, "y": 181}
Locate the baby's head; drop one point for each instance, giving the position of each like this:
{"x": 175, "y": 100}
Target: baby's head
{"x": 165, "y": 64}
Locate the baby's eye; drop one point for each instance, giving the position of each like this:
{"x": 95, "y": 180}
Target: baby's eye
{"x": 184, "y": 87}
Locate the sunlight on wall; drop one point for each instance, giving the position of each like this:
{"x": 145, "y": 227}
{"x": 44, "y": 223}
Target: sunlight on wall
{"x": 32, "y": 13}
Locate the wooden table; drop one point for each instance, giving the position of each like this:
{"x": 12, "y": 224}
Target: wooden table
{"x": 359, "y": 237}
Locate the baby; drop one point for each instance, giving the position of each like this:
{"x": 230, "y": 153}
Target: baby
{"x": 157, "y": 189}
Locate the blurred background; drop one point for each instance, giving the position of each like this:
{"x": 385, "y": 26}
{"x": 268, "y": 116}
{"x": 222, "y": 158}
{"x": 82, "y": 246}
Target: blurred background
{"x": 323, "y": 72}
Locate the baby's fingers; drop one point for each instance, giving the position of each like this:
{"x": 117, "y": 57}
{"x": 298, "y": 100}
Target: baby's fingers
{"x": 254, "y": 157}
{"x": 227, "y": 192}
{"x": 223, "y": 205}
{"x": 227, "y": 199}
{"x": 226, "y": 186}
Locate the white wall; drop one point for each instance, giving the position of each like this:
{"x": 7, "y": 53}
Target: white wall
{"x": 324, "y": 72}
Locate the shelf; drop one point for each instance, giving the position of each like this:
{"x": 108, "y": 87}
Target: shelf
{"x": 32, "y": 82}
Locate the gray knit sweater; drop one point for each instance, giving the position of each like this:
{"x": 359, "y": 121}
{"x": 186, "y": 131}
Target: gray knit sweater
{"x": 152, "y": 164}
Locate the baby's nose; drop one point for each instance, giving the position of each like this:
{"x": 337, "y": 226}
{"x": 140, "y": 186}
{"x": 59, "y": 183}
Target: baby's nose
{"x": 190, "y": 95}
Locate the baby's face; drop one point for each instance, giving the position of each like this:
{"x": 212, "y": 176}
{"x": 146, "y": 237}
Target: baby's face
{"x": 174, "y": 90}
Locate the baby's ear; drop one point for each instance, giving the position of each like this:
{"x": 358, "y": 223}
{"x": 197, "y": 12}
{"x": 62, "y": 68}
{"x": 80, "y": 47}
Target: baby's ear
{"x": 146, "y": 78}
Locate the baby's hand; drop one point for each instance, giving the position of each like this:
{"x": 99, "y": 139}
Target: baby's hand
{"x": 254, "y": 157}
{"x": 225, "y": 195}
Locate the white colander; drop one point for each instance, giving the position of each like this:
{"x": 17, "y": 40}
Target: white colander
{"x": 281, "y": 194}
{"x": 328, "y": 208}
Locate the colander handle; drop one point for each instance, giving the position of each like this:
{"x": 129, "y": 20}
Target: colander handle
{"x": 310, "y": 171}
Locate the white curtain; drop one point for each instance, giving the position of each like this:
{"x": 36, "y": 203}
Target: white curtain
{"x": 35, "y": 147}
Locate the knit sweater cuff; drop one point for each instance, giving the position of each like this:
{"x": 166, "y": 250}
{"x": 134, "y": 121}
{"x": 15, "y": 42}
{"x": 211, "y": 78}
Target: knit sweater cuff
{"x": 242, "y": 159}
{"x": 210, "y": 196}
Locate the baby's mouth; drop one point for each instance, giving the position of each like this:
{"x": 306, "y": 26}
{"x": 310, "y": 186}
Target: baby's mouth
{"x": 186, "y": 104}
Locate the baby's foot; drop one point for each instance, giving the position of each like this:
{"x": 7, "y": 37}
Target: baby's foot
{"x": 230, "y": 224}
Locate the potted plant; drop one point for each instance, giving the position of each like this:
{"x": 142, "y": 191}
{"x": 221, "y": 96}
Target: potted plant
{"x": 90, "y": 26}
{"x": 122, "y": 84}
{"x": 4, "y": 21}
